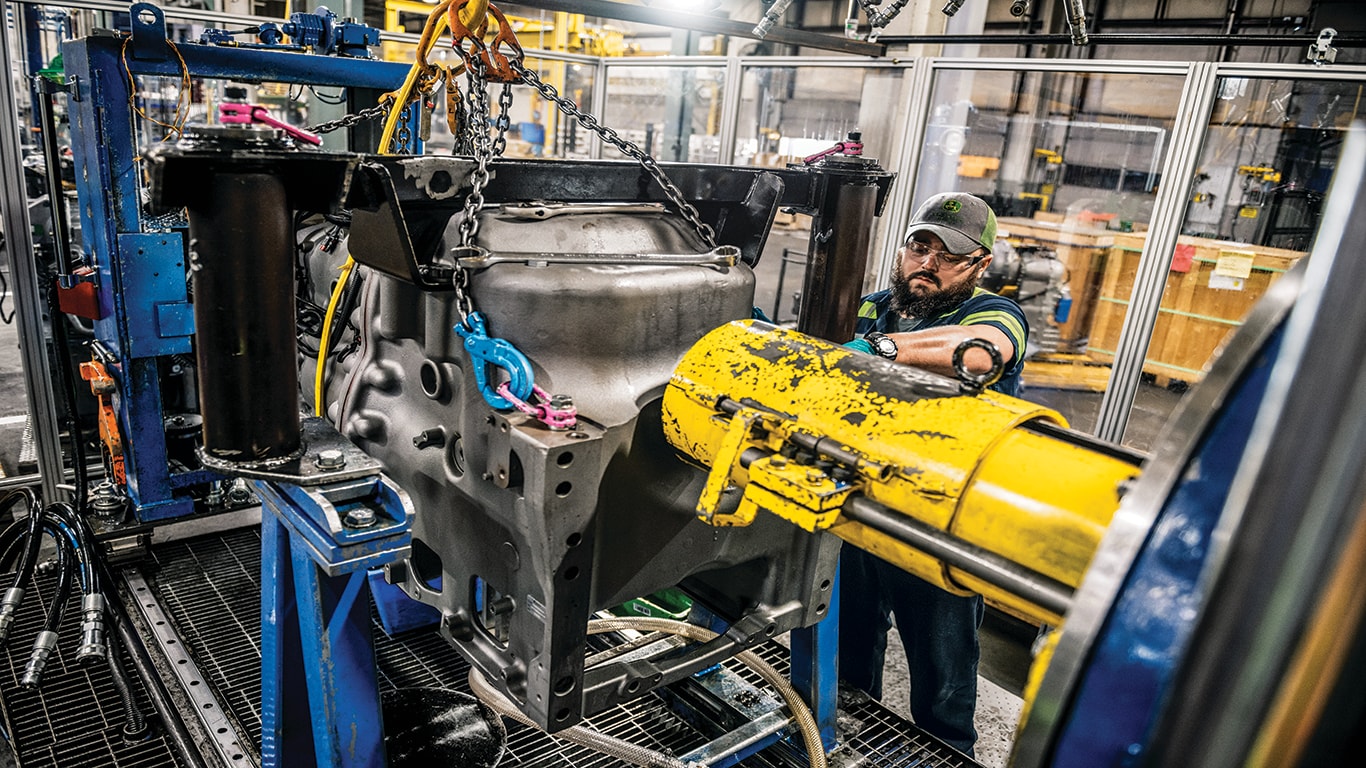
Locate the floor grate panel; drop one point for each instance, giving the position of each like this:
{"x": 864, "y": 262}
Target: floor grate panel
{"x": 213, "y": 582}
{"x": 210, "y": 586}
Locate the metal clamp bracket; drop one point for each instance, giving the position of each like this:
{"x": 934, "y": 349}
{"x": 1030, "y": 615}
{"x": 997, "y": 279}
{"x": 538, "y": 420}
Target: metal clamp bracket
{"x": 148, "y": 24}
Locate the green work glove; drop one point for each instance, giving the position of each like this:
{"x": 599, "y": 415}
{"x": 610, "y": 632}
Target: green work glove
{"x": 860, "y": 345}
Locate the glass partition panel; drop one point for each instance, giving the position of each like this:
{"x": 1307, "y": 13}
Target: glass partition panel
{"x": 1255, "y": 202}
{"x": 1070, "y": 162}
{"x": 536, "y": 127}
{"x": 673, "y": 113}
{"x": 791, "y": 112}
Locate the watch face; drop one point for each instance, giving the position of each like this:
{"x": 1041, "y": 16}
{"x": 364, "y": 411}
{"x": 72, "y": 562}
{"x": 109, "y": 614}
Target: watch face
{"x": 884, "y": 346}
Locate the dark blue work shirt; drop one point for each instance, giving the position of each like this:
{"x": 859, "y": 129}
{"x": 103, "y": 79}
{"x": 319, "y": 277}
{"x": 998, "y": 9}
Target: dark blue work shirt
{"x": 982, "y": 308}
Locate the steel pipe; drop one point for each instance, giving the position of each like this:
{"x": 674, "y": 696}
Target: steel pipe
{"x": 1032, "y": 586}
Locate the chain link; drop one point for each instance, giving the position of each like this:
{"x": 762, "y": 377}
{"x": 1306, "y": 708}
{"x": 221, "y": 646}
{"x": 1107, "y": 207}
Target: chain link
{"x": 403, "y": 138}
{"x": 628, "y": 148}
{"x": 370, "y": 113}
{"x": 483, "y": 151}
{"x": 504, "y": 120}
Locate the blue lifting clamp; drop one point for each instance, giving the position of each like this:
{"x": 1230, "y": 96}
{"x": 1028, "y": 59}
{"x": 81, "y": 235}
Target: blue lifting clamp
{"x": 486, "y": 351}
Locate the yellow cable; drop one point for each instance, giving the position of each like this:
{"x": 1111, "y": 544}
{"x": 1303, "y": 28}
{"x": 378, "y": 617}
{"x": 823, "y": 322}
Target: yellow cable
{"x": 436, "y": 24}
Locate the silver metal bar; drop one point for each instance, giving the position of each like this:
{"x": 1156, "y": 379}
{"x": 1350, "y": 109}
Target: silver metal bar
{"x": 1192, "y": 120}
{"x": 731, "y": 743}
{"x": 722, "y": 256}
{"x": 23, "y": 266}
{"x": 702, "y": 22}
{"x": 549, "y": 210}
{"x": 1045, "y": 592}
{"x": 730, "y": 111}
{"x": 907, "y": 167}
{"x": 210, "y": 711}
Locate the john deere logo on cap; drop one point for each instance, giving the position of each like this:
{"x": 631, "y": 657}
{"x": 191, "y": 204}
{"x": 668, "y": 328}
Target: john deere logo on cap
{"x": 953, "y": 206}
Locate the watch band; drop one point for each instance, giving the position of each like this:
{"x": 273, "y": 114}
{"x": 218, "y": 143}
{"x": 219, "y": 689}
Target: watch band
{"x": 883, "y": 345}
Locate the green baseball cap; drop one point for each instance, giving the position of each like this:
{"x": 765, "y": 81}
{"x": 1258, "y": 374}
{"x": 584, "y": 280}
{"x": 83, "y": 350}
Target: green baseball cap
{"x": 964, "y": 222}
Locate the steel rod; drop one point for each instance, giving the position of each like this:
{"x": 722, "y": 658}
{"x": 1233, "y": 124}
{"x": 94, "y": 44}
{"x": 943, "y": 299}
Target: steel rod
{"x": 1049, "y": 594}
{"x": 701, "y": 22}
{"x": 1112, "y": 38}
{"x": 28, "y": 297}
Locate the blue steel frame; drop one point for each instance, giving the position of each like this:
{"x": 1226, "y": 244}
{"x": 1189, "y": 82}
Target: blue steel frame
{"x": 320, "y": 702}
{"x": 140, "y": 274}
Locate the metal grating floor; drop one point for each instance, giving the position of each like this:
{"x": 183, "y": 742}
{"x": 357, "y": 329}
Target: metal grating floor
{"x": 210, "y": 587}
{"x": 75, "y": 718}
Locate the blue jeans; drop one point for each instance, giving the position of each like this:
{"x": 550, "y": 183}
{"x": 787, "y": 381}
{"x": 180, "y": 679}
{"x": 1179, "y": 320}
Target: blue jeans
{"x": 939, "y": 631}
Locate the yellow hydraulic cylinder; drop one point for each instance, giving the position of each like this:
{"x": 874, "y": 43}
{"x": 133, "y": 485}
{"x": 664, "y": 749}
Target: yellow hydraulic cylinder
{"x": 816, "y": 433}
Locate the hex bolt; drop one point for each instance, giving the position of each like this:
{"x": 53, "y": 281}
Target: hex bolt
{"x": 814, "y": 476}
{"x": 436, "y": 436}
{"x": 330, "y": 460}
{"x": 360, "y": 517}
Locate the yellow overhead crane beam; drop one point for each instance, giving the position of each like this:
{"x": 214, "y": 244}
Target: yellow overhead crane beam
{"x": 1011, "y": 503}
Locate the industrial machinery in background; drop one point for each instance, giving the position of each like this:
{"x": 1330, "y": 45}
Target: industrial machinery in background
{"x": 545, "y": 436}
{"x": 1036, "y": 279}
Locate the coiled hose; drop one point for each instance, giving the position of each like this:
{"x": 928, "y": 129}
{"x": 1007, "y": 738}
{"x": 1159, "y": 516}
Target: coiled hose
{"x": 648, "y": 758}
{"x": 134, "y": 725}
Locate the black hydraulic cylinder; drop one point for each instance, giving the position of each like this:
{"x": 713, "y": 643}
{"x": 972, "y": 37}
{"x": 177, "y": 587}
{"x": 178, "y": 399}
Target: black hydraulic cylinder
{"x": 240, "y": 186}
{"x": 241, "y": 267}
{"x": 841, "y": 232}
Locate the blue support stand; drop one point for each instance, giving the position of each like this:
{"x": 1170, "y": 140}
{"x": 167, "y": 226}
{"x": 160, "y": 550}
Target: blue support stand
{"x": 320, "y": 702}
{"x": 815, "y": 668}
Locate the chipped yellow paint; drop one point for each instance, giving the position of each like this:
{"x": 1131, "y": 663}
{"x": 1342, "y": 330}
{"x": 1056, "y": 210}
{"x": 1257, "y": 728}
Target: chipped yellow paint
{"x": 959, "y": 463}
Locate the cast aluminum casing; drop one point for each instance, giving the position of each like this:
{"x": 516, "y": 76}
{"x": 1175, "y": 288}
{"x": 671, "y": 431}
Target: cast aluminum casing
{"x": 522, "y": 533}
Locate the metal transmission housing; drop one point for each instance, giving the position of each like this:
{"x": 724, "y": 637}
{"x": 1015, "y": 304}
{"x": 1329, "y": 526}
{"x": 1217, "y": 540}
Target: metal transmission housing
{"x": 521, "y": 531}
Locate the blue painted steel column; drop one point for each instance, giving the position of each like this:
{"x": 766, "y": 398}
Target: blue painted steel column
{"x": 286, "y": 737}
{"x": 814, "y": 667}
{"x": 320, "y": 700}
{"x": 339, "y": 664}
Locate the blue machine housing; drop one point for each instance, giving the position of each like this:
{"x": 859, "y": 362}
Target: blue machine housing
{"x": 139, "y": 261}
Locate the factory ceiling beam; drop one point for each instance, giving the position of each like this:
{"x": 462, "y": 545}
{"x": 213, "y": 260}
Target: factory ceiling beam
{"x": 705, "y": 23}
{"x": 1103, "y": 38}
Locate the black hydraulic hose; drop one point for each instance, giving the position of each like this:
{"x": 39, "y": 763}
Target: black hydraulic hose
{"x": 29, "y": 554}
{"x": 83, "y": 542}
{"x": 135, "y": 723}
{"x": 67, "y": 381}
{"x": 9, "y": 543}
{"x": 66, "y": 569}
{"x": 28, "y": 557}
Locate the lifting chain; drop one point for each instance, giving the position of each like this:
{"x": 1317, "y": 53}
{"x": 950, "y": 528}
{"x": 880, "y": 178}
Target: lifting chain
{"x": 481, "y": 146}
{"x": 370, "y": 113}
{"x": 628, "y": 148}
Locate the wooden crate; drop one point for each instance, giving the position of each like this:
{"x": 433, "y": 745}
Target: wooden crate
{"x": 1194, "y": 317}
{"x": 1083, "y": 249}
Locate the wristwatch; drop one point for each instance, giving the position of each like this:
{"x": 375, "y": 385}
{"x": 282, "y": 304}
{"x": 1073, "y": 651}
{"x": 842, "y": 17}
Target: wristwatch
{"x": 883, "y": 344}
